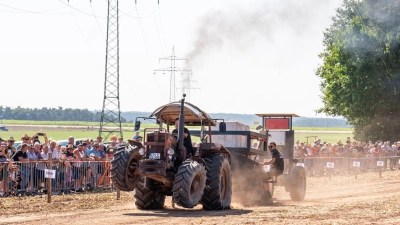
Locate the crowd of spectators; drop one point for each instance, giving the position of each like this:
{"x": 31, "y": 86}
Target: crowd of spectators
{"x": 77, "y": 166}
{"x": 316, "y": 154}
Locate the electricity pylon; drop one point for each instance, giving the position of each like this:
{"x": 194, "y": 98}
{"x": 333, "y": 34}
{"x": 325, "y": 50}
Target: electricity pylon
{"x": 111, "y": 114}
{"x": 172, "y": 70}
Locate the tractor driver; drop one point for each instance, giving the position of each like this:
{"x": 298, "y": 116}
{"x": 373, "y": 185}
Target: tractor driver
{"x": 187, "y": 140}
{"x": 277, "y": 167}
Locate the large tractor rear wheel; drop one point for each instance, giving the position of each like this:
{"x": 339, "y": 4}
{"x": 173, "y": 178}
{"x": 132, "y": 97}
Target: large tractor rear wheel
{"x": 124, "y": 166}
{"x": 147, "y": 198}
{"x": 218, "y": 192}
{"x": 189, "y": 184}
{"x": 298, "y": 184}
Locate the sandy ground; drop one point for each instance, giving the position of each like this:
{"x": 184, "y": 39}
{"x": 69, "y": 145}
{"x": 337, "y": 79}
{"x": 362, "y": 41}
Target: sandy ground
{"x": 341, "y": 200}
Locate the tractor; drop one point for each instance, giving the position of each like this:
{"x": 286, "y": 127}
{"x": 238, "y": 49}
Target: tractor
{"x": 161, "y": 166}
{"x": 247, "y": 172}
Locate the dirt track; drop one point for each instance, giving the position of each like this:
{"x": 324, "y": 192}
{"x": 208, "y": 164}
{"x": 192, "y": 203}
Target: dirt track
{"x": 342, "y": 200}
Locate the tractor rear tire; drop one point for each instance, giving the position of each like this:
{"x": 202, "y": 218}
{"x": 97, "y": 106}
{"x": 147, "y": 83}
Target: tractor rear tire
{"x": 189, "y": 184}
{"x": 218, "y": 192}
{"x": 147, "y": 198}
{"x": 298, "y": 184}
{"x": 123, "y": 167}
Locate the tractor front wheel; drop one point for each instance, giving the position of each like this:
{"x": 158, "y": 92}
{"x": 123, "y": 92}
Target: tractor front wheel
{"x": 189, "y": 184}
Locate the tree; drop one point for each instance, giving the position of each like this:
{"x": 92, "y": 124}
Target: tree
{"x": 360, "y": 74}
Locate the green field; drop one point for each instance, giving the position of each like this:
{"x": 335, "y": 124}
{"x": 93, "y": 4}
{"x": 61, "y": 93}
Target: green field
{"x": 57, "y": 123}
{"x": 64, "y": 134}
{"x": 60, "y": 135}
{"x": 328, "y": 137}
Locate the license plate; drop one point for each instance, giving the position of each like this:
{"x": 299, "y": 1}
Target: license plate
{"x": 154, "y": 156}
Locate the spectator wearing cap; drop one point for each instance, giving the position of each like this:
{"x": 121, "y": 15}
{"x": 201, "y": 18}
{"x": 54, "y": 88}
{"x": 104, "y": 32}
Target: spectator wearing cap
{"x": 25, "y": 140}
{"x": 10, "y": 146}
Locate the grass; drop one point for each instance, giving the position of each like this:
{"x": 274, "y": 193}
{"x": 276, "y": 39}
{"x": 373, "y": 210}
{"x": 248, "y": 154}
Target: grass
{"x": 64, "y": 134}
{"x": 128, "y": 133}
{"x": 60, "y": 134}
{"x": 324, "y": 128}
{"x": 328, "y": 137}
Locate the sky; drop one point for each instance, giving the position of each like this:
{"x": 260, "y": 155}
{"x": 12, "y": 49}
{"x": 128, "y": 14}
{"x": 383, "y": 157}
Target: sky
{"x": 254, "y": 56}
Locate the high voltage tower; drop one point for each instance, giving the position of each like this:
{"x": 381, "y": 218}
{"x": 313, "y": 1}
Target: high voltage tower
{"x": 172, "y": 71}
{"x": 111, "y": 114}
{"x": 187, "y": 87}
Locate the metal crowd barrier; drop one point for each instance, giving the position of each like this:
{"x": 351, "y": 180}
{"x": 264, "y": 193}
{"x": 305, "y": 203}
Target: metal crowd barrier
{"x": 28, "y": 178}
{"x": 346, "y": 163}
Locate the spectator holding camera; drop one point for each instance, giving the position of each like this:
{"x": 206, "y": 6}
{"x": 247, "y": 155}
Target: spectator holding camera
{"x": 35, "y": 138}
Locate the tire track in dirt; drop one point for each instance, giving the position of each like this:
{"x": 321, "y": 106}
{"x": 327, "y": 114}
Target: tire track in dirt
{"x": 342, "y": 200}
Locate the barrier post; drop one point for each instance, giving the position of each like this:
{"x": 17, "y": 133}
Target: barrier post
{"x": 49, "y": 179}
{"x": 330, "y": 166}
{"x": 380, "y": 164}
{"x": 356, "y": 165}
{"x": 118, "y": 194}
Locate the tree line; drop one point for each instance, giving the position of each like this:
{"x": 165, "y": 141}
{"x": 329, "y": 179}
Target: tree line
{"x": 51, "y": 114}
{"x": 249, "y": 119}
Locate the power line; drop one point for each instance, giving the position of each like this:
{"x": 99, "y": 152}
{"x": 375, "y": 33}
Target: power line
{"x": 162, "y": 30}
{"x": 34, "y": 12}
{"x": 163, "y": 48}
{"x": 97, "y": 23}
{"x": 81, "y": 10}
{"x": 147, "y": 50}
{"x": 139, "y": 17}
{"x": 83, "y": 36}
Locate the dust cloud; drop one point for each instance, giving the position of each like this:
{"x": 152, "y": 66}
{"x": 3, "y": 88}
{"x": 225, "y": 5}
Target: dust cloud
{"x": 281, "y": 28}
{"x": 243, "y": 25}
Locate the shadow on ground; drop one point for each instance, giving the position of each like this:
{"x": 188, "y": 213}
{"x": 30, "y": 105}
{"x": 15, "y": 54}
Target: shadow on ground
{"x": 188, "y": 212}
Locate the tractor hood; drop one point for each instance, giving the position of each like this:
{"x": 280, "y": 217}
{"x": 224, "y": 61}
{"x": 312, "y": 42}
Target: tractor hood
{"x": 193, "y": 115}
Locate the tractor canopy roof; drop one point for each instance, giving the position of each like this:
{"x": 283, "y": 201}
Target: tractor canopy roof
{"x": 193, "y": 114}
